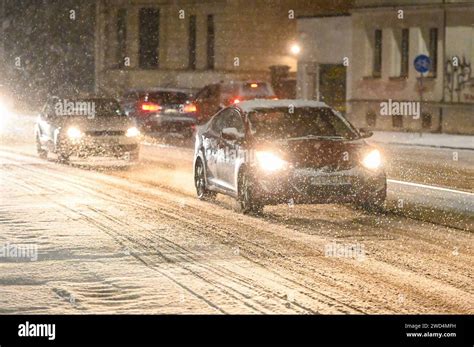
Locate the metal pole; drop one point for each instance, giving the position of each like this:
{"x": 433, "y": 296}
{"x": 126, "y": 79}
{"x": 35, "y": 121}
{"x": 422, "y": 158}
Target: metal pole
{"x": 440, "y": 126}
{"x": 318, "y": 94}
{"x": 97, "y": 45}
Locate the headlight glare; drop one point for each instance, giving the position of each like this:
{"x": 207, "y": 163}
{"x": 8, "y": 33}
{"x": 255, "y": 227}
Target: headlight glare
{"x": 132, "y": 132}
{"x": 74, "y": 133}
{"x": 372, "y": 160}
{"x": 269, "y": 161}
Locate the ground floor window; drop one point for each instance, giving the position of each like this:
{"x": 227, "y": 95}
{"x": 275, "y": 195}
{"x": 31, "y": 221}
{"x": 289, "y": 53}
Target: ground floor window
{"x": 370, "y": 118}
{"x": 397, "y": 121}
{"x": 426, "y": 120}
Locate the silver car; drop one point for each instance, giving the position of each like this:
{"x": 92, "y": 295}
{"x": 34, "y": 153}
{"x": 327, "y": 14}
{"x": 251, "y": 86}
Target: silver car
{"x": 86, "y": 127}
{"x": 265, "y": 152}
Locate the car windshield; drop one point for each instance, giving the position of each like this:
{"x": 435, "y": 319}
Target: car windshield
{"x": 255, "y": 90}
{"x": 165, "y": 98}
{"x": 282, "y": 123}
{"x": 88, "y": 107}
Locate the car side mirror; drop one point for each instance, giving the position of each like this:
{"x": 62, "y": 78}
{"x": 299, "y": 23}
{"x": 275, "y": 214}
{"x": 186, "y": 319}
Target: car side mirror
{"x": 365, "y": 133}
{"x": 231, "y": 134}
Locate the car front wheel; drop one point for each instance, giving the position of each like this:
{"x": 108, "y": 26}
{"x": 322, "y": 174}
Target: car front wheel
{"x": 246, "y": 195}
{"x": 202, "y": 191}
{"x": 63, "y": 157}
{"x": 42, "y": 153}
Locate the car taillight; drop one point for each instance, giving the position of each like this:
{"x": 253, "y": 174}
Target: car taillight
{"x": 150, "y": 107}
{"x": 236, "y": 101}
{"x": 189, "y": 108}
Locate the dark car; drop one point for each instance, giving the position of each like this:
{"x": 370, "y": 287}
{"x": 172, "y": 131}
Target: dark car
{"x": 162, "y": 110}
{"x": 86, "y": 127}
{"x": 269, "y": 152}
{"x": 214, "y": 97}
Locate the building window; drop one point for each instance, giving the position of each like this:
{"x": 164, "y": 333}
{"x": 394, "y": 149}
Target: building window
{"x": 405, "y": 50}
{"x": 433, "y": 51}
{"x": 121, "y": 36}
{"x": 210, "y": 42}
{"x": 149, "y": 38}
{"x": 426, "y": 120}
{"x": 397, "y": 121}
{"x": 192, "y": 43}
{"x": 377, "y": 64}
{"x": 370, "y": 118}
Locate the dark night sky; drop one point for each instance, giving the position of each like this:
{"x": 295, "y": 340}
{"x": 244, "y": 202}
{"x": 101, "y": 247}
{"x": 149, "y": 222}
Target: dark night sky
{"x": 55, "y": 51}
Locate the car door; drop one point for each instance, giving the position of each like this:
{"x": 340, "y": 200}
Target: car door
{"x": 201, "y": 102}
{"x": 230, "y": 150}
{"x": 129, "y": 103}
{"x": 215, "y": 102}
{"x": 45, "y": 127}
{"x": 207, "y": 102}
{"x": 211, "y": 144}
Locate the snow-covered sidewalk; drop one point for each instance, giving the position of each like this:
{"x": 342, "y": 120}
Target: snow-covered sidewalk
{"x": 424, "y": 139}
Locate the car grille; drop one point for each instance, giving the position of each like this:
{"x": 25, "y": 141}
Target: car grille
{"x": 327, "y": 166}
{"x": 106, "y": 133}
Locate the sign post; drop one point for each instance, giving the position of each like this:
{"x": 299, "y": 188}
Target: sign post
{"x": 422, "y": 64}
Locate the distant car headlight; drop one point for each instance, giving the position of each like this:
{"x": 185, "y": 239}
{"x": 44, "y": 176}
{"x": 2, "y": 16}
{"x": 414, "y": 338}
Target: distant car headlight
{"x": 3, "y": 115}
{"x": 74, "y": 133}
{"x": 132, "y": 132}
{"x": 372, "y": 160}
{"x": 269, "y": 161}
{"x": 3, "y": 108}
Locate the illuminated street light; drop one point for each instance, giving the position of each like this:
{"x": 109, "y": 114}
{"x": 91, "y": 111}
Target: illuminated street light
{"x": 295, "y": 49}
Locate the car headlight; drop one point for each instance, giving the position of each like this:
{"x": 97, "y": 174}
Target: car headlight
{"x": 132, "y": 132}
{"x": 372, "y": 160}
{"x": 74, "y": 133}
{"x": 269, "y": 161}
{"x": 4, "y": 114}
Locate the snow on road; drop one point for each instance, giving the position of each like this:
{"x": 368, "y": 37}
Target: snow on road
{"x": 134, "y": 240}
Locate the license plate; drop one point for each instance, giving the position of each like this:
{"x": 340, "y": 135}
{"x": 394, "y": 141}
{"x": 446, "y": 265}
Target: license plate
{"x": 329, "y": 180}
{"x": 108, "y": 142}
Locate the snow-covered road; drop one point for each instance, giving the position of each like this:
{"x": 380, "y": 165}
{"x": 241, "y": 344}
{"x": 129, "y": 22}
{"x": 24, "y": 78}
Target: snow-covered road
{"x": 136, "y": 240}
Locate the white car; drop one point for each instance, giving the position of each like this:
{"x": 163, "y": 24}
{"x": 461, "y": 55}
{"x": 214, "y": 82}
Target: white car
{"x": 86, "y": 127}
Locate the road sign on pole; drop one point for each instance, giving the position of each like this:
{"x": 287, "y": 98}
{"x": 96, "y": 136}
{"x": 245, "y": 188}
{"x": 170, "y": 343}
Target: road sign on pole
{"x": 422, "y": 63}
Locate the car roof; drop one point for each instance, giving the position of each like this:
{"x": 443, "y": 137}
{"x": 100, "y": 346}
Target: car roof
{"x": 78, "y": 98}
{"x": 159, "y": 89}
{"x": 242, "y": 82}
{"x": 252, "y": 105}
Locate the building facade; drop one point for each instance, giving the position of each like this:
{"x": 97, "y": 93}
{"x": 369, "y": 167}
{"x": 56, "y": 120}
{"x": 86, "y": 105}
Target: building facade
{"x": 191, "y": 43}
{"x": 384, "y": 90}
{"x": 326, "y": 43}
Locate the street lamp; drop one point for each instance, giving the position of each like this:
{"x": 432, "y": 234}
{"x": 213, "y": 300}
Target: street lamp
{"x": 295, "y": 49}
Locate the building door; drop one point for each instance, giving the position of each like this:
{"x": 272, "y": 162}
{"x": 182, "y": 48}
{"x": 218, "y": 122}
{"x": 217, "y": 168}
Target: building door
{"x": 332, "y": 85}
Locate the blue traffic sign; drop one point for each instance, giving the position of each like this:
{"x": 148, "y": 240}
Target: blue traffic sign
{"x": 422, "y": 63}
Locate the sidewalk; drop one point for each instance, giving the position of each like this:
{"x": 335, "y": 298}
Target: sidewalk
{"x": 424, "y": 139}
